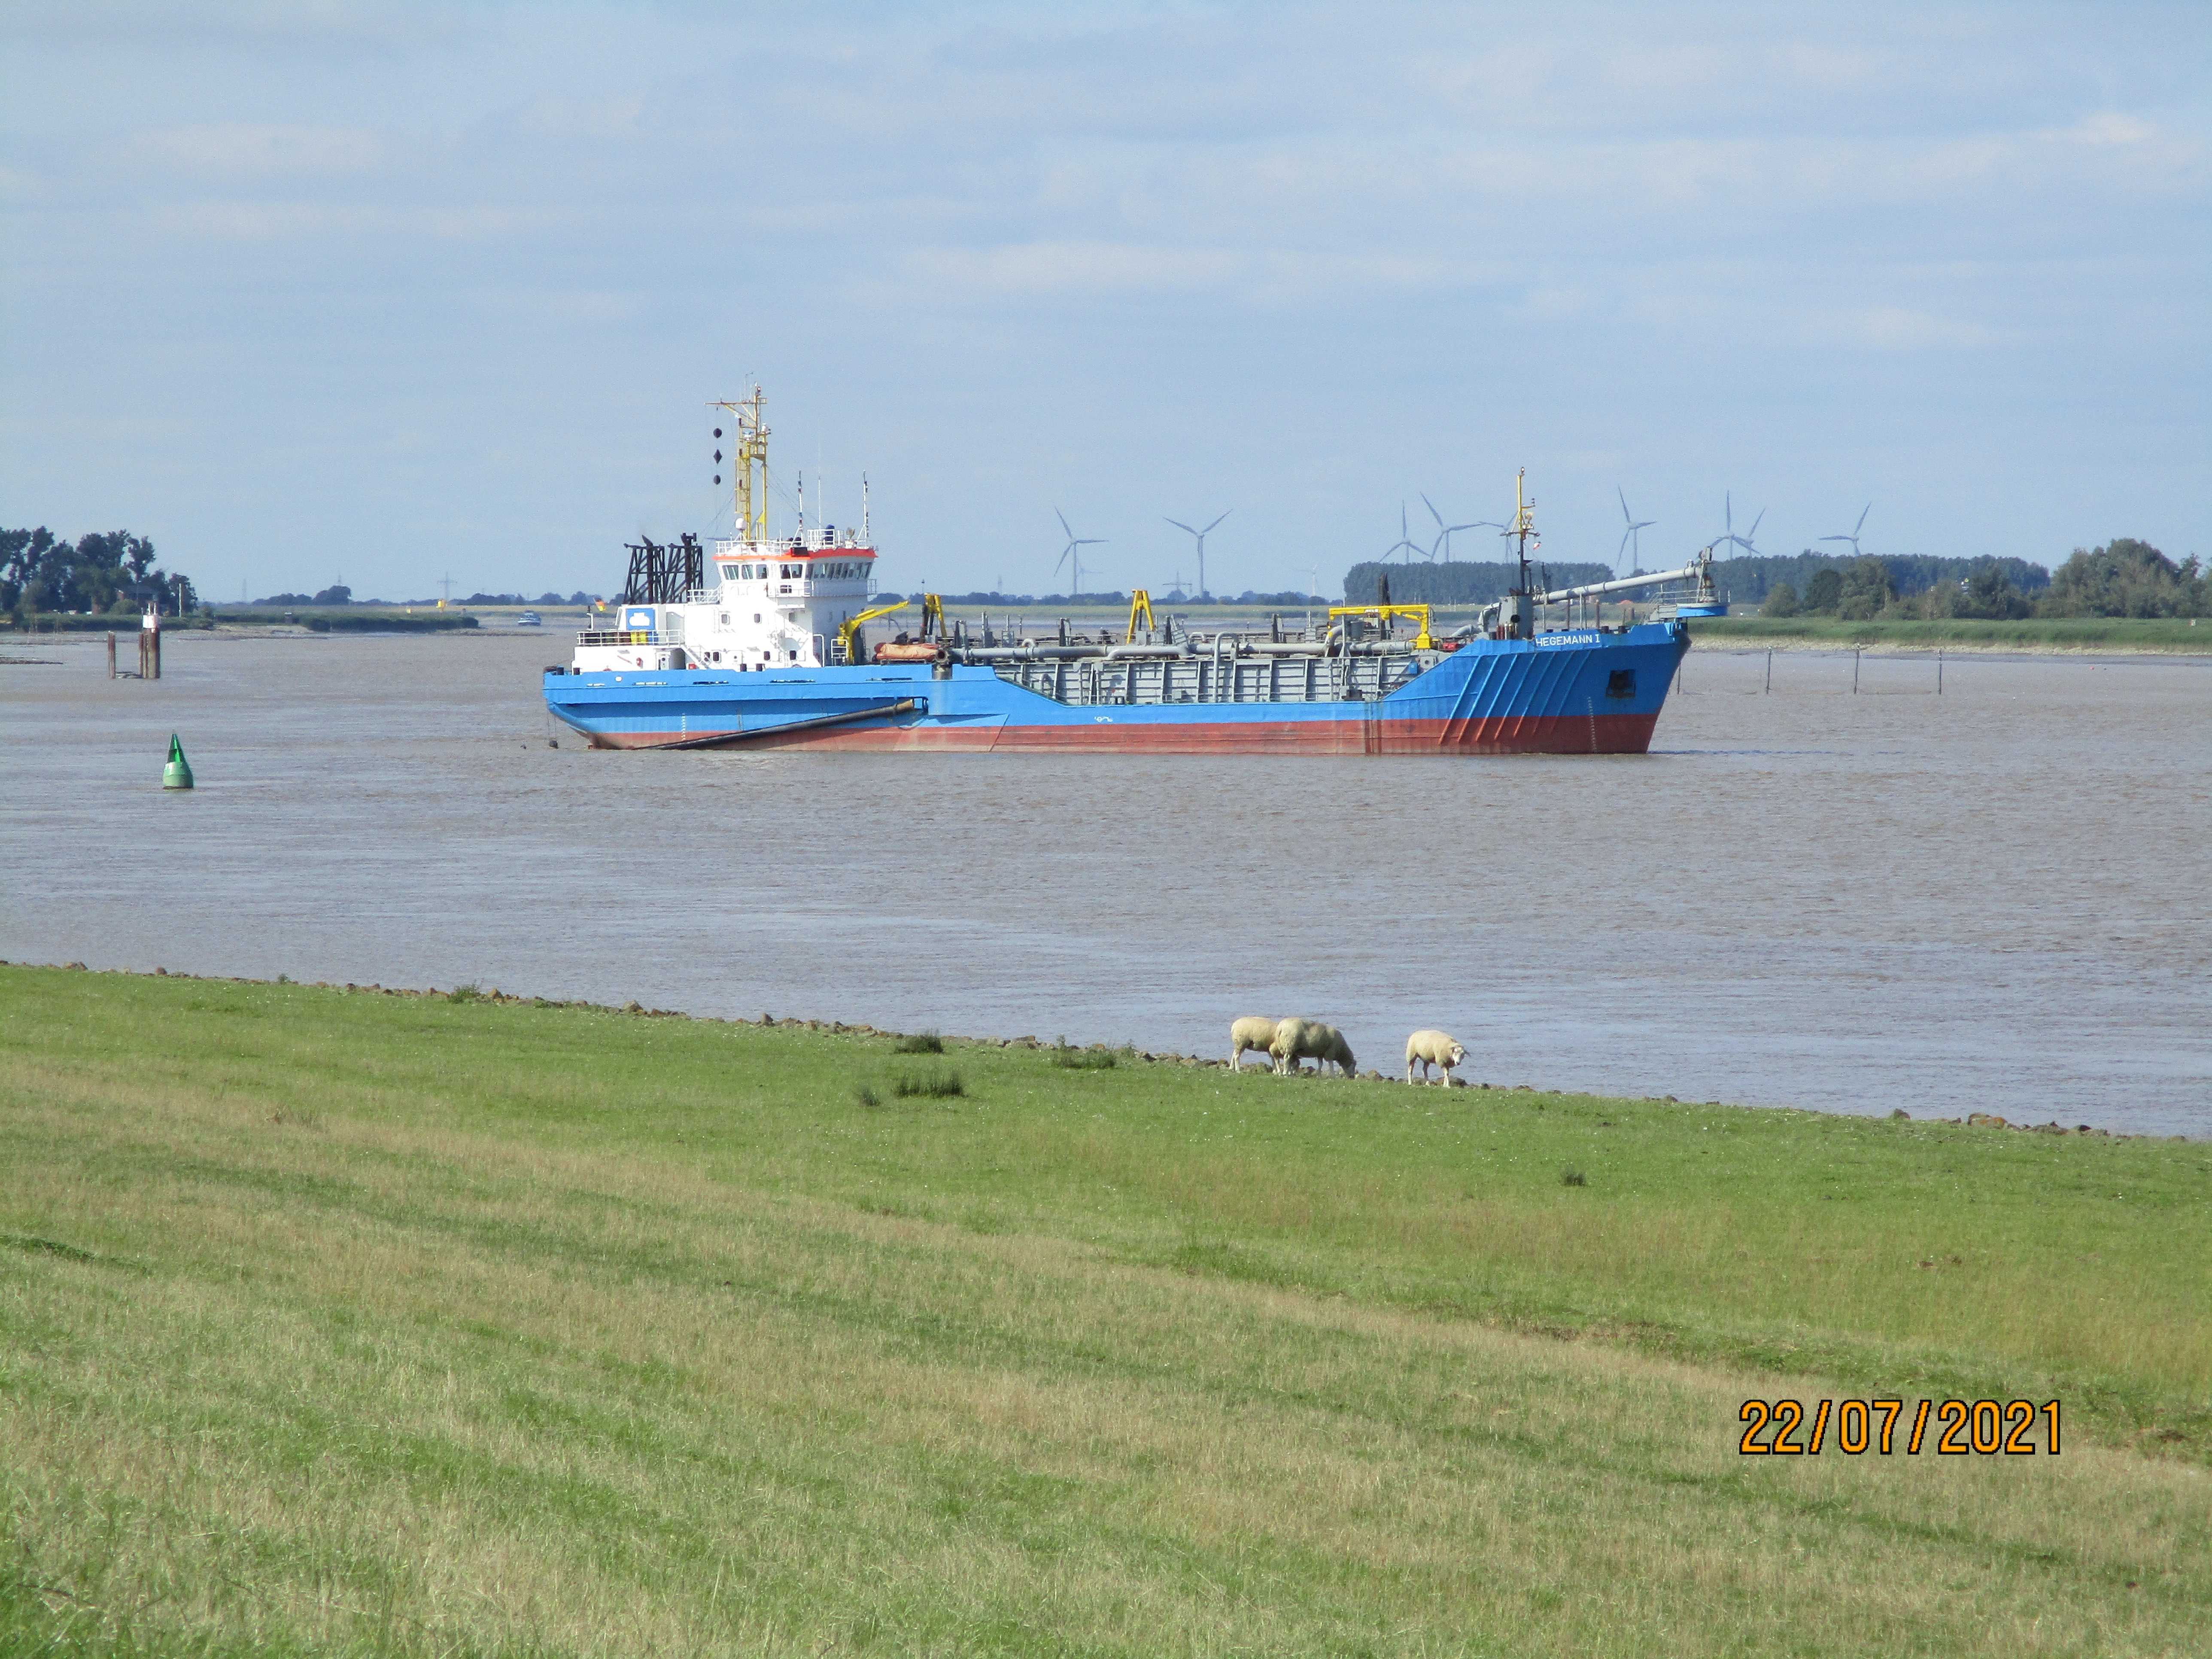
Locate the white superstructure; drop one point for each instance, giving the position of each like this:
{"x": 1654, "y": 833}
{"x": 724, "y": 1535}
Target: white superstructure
{"x": 763, "y": 602}
{"x": 774, "y": 604}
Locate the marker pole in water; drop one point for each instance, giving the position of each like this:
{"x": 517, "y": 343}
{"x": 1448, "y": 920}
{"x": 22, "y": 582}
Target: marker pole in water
{"x": 178, "y": 774}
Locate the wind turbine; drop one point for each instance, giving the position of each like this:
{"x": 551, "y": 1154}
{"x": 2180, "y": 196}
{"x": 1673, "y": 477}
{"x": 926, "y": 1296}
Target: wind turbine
{"x": 1405, "y": 539}
{"x": 1445, "y": 531}
{"x": 1200, "y": 536}
{"x": 1071, "y": 555}
{"x": 1727, "y": 533}
{"x": 1853, "y": 539}
{"x": 1629, "y": 539}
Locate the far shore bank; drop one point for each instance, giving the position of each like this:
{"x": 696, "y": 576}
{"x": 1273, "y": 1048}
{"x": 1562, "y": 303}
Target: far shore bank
{"x": 2034, "y": 636}
{"x": 2054, "y": 637}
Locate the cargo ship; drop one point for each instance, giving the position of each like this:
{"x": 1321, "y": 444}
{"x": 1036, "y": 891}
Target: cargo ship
{"x": 761, "y": 641}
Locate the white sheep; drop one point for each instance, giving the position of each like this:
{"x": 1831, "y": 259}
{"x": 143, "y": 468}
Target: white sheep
{"x": 1248, "y": 1033}
{"x": 1310, "y": 1039}
{"x": 1426, "y": 1048}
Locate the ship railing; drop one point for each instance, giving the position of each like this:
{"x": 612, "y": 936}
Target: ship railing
{"x": 624, "y": 636}
{"x": 787, "y": 590}
{"x": 814, "y": 540}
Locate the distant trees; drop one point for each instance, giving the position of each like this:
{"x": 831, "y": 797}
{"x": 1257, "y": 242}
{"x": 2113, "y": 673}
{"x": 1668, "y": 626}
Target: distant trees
{"x": 1987, "y": 593}
{"x": 2126, "y": 578}
{"x": 106, "y": 571}
{"x": 1863, "y": 590}
{"x": 1749, "y": 581}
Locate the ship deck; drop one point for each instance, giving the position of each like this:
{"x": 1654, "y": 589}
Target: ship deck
{"x": 1091, "y": 681}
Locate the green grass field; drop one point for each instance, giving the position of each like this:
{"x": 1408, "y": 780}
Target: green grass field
{"x": 2049, "y": 634}
{"x": 341, "y": 1322}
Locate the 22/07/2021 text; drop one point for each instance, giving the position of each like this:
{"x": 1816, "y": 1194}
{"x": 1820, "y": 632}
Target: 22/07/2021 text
{"x": 1986, "y": 1428}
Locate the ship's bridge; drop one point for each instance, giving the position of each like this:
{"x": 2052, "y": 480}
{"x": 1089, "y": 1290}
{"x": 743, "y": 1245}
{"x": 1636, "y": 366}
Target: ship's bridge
{"x": 823, "y": 565}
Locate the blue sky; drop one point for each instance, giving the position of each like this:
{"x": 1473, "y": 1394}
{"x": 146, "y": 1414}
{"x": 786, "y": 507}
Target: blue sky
{"x": 384, "y": 293}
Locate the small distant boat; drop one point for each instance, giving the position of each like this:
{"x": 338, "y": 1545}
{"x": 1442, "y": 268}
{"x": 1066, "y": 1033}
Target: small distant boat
{"x": 530, "y": 619}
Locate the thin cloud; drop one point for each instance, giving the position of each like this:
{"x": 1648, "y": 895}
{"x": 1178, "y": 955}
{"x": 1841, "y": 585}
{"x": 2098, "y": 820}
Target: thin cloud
{"x": 277, "y": 222}
{"x": 238, "y": 151}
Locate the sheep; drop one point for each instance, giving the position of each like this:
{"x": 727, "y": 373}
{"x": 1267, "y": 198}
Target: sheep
{"x": 1310, "y": 1039}
{"x": 1251, "y": 1032}
{"x": 1424, "y": 1048}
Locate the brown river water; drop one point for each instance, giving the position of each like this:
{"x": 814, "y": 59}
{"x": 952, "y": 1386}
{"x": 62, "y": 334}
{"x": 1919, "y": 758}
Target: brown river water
{"x": 1998, "y": 899}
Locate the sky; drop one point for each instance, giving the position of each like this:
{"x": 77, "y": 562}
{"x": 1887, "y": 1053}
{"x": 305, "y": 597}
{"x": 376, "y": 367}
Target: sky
{"x": 384, "y": 294}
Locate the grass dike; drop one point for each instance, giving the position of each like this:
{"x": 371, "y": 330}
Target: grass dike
{"x": 460, "y": 1322}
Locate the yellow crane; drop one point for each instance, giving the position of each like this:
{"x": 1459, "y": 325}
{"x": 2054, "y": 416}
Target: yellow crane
{"x": 848, "y": 631}
{"x": 1383, "y": 613}
{"x": 1140, "y": 605}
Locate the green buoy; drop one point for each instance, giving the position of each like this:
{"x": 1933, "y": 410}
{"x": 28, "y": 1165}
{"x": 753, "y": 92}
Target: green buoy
{"x": 178, "y": 774}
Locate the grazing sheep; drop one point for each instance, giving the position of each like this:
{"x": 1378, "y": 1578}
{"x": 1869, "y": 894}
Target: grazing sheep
{"x": 1327, "y": 1045}
{"x": 1310, "y": 1039}
{"x": 1251, "y": 1032}
{"x": 1426, "y": 1048}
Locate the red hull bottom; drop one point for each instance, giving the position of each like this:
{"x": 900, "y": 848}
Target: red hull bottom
{"x": 1570, "y": 734}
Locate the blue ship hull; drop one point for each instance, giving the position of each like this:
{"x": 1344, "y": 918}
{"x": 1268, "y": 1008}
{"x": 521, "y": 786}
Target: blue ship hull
{"x": 1574, "y": 693}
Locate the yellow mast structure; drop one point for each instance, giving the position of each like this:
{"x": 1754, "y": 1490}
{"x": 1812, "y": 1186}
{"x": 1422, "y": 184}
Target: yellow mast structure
{"x": 749, "y": 449}
{"x": 1140, "y": 611}
{"x": 1524, "y": 515}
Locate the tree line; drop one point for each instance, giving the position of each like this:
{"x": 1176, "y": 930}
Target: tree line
{"x": 339, "y": 594}
{"x": 2124, "y": 578}
{"x": 103, "y": 572}
{"x": 1750, "y": 580}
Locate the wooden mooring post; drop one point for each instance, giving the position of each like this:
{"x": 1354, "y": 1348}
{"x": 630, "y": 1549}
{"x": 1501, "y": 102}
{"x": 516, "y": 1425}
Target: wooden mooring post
{"x": 1854, "y": 673}
{"x": 1769, "y": 672}
{"x": 149, "y": 647}
{"x": 111, "y": 656}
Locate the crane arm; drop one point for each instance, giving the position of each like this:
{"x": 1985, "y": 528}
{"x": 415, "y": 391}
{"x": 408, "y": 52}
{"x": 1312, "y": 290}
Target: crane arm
{"x": 848, "y": 631}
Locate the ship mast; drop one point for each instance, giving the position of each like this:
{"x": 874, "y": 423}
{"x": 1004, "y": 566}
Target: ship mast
{"x": 748, "y": 500}
{"x": 1523, "y": 527}
{"x": 1522, "y": 530}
